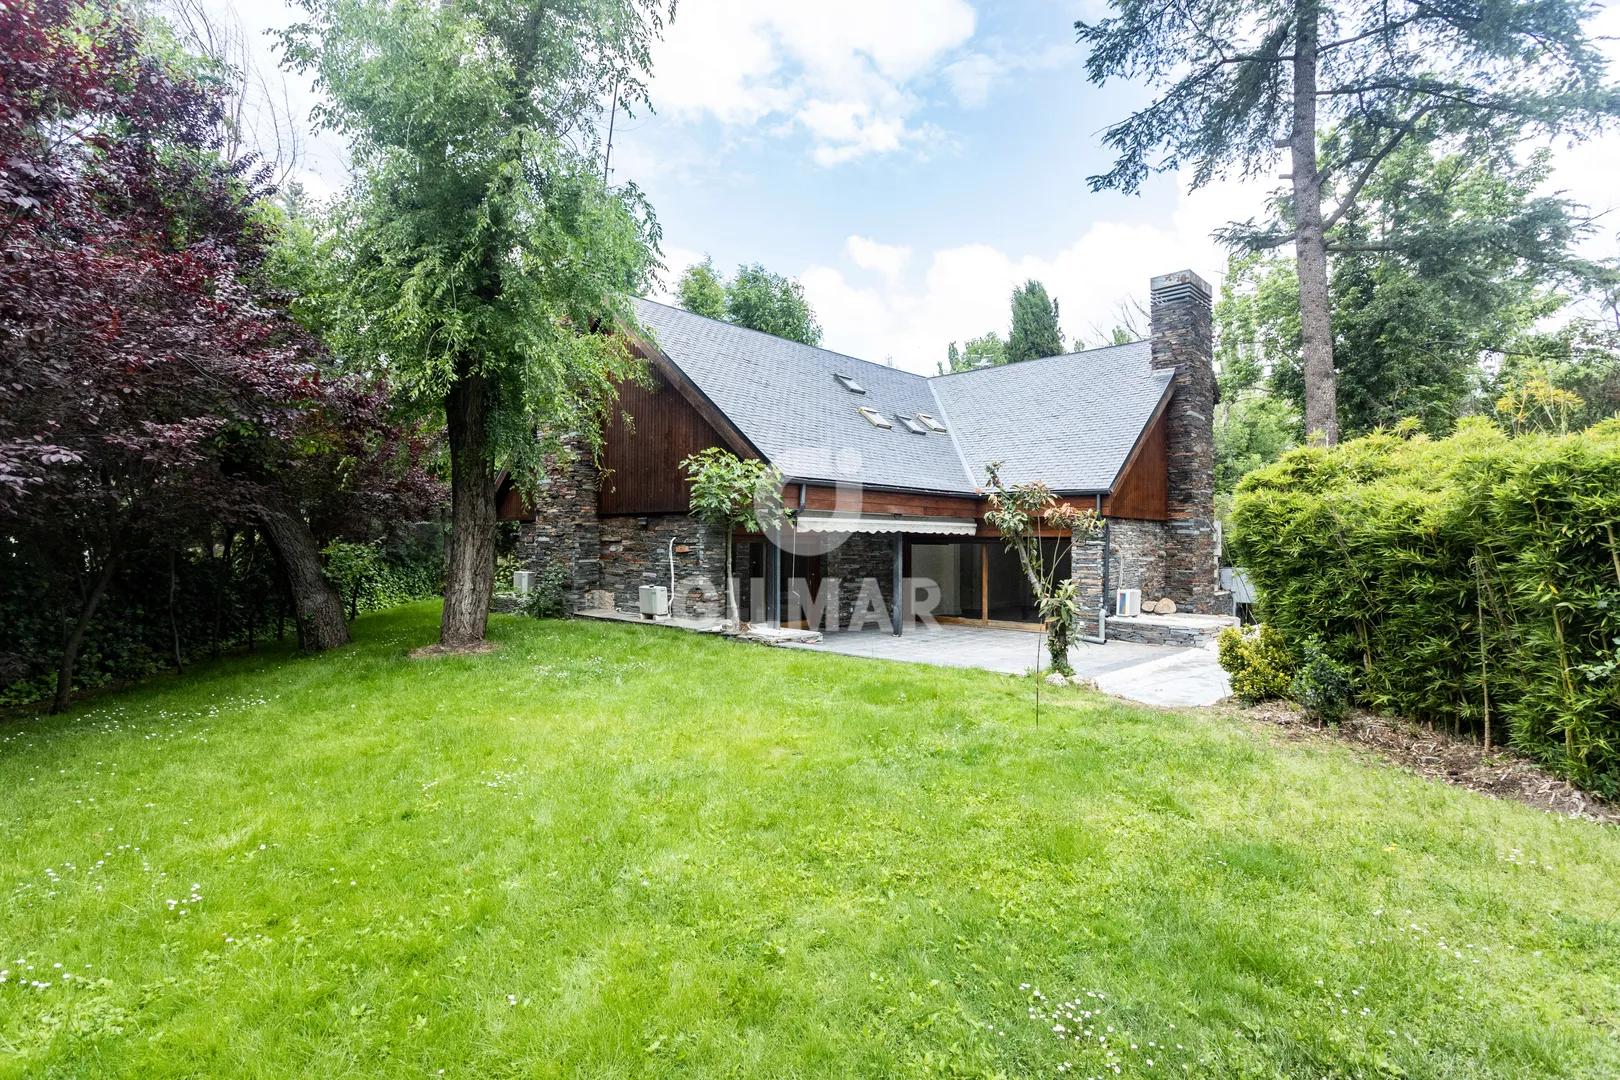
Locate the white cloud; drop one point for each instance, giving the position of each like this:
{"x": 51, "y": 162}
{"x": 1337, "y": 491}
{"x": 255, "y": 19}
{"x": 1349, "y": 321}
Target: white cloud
{"x": 973, "y": 76}
{"x": 964, "y": 290}
{"x": 716, "y": 58}
{"x": 845, "y": 130}
{"x": 887, "y": 259}
{"x": 838, "y": 70}
{"x": 1586, "y": 171}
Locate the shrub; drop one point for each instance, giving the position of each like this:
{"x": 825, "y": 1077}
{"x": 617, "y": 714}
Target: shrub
{"x": 1323, "y": 686}
{"x": 378, "y": 575}
{"x": 1258, "y": 663}
{"x": 548, "y": 597}
{"x": 1473, "y": 581}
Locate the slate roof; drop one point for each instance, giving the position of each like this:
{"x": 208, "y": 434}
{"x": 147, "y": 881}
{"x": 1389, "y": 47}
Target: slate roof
{"x": 1068, "y": 420}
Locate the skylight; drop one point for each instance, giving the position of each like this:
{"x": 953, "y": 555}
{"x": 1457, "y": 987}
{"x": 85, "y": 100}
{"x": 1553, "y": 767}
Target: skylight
{"x": 912, "y": 426}
{"x": 873, "y": 417}
{"x": 850, "y": 384}
{"x": 929, "y": 422}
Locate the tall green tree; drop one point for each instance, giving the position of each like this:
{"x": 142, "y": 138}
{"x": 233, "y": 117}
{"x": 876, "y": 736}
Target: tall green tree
{"x": 1035, "y": 331}
{"x": 480, "y": 247}
{"x": 754, "y": 297}
{"x": 702, "y": 291}
{"x": 1446, "y": 259}
{"x": 986, "y": 350}
{"x": 1256, "y": 329}
{"x": 773, "y": 304}
{"x": 1580, "y": 358}
{"x": 1241, "y": 79}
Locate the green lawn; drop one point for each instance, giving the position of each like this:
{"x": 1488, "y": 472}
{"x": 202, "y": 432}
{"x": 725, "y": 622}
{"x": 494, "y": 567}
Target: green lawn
{"x": 612, "y": 851}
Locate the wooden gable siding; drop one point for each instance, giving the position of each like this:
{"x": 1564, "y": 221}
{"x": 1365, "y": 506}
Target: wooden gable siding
{"x": 641, "y": 459}
{"x": 509, "y": 504}
{"x": 1143, "y": 491}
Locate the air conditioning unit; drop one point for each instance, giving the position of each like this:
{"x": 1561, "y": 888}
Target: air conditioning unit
{"x": 1128, "y": 602}
{"x": 654, "y": 601}
{"x": 522, "y": 581}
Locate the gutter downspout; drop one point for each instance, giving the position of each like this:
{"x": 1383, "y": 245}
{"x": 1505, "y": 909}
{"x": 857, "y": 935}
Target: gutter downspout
{"x": 1102, "y": 606}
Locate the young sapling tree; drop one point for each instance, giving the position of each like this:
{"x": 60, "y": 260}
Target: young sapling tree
{"x": 1021, "y": 512}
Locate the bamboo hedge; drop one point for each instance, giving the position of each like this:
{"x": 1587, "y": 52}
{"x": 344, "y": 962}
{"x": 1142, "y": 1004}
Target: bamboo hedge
{"x": 1473, "y": 581}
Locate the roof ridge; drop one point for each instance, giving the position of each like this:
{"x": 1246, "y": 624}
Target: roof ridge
{"x": 1035, "y": 360}
{"x": 950, "y": 430}
{"x": 778, "y": 337}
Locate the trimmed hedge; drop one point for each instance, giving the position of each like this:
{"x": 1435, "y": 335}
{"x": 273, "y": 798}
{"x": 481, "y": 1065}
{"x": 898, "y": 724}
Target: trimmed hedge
{"x": 1472, "y": 581}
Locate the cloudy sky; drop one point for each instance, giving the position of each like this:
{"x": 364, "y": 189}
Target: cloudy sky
{"x": 910, "y": 162}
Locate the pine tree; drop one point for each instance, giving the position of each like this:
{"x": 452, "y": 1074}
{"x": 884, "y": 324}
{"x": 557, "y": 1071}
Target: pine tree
{"x": 1035, "y": 331}
{"x": 1242, "y": 79}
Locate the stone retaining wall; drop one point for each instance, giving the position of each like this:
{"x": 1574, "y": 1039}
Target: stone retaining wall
{"x": 1168, "y": 630}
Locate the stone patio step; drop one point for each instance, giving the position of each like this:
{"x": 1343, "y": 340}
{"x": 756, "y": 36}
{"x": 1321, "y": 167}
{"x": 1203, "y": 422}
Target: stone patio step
{"x": 1186, "y": 630}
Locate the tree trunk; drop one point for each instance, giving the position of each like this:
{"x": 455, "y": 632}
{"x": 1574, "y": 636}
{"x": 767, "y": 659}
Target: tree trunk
{"x": 1310, "y": 245}
{"x": 75, "y": 639}
{"x": 222, "y": 578}
{"x": 317, "y": 608}
{"x": 470, "y": 576}
{"x": 254, "y": 600}
{"x": 174, "y": 621}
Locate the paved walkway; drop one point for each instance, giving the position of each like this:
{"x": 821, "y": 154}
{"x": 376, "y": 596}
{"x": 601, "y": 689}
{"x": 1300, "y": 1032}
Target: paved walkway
{"x": 1152, "y": 674}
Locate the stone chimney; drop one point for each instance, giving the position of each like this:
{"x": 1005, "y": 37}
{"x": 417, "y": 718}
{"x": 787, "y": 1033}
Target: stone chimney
{"x": 1183, "y": 335}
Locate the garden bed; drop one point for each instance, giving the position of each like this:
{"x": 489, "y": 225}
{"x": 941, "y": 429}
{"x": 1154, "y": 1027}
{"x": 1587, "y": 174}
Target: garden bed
{"x": 1440, "y": 755}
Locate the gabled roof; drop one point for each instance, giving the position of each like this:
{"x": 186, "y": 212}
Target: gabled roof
{"x": 1069, "y": 420}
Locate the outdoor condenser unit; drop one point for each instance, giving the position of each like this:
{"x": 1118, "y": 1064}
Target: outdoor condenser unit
{"x": 654, "y": 601}
{"x": 1128, "y": 602}
{"x": 522, "y": 581}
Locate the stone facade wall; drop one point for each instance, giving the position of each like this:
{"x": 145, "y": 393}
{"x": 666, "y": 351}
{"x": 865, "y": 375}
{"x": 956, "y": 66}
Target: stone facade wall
{"x": 1182, "y": 340}
{"x": 635, "y": 551}
{"x": 565, "y": 528}
{"x": 1136, "y": 552}
{"x": 860, "y": 558}
{"x": 609, "y": 558}
{"x": 1086, "y": 559}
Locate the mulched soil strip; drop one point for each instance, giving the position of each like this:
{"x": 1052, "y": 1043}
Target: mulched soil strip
{"x": 1439, "y": 755}
{"x": 429, "y": 652}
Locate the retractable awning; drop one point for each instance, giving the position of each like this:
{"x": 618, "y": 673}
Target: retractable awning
{"x": 867, "y": 523}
